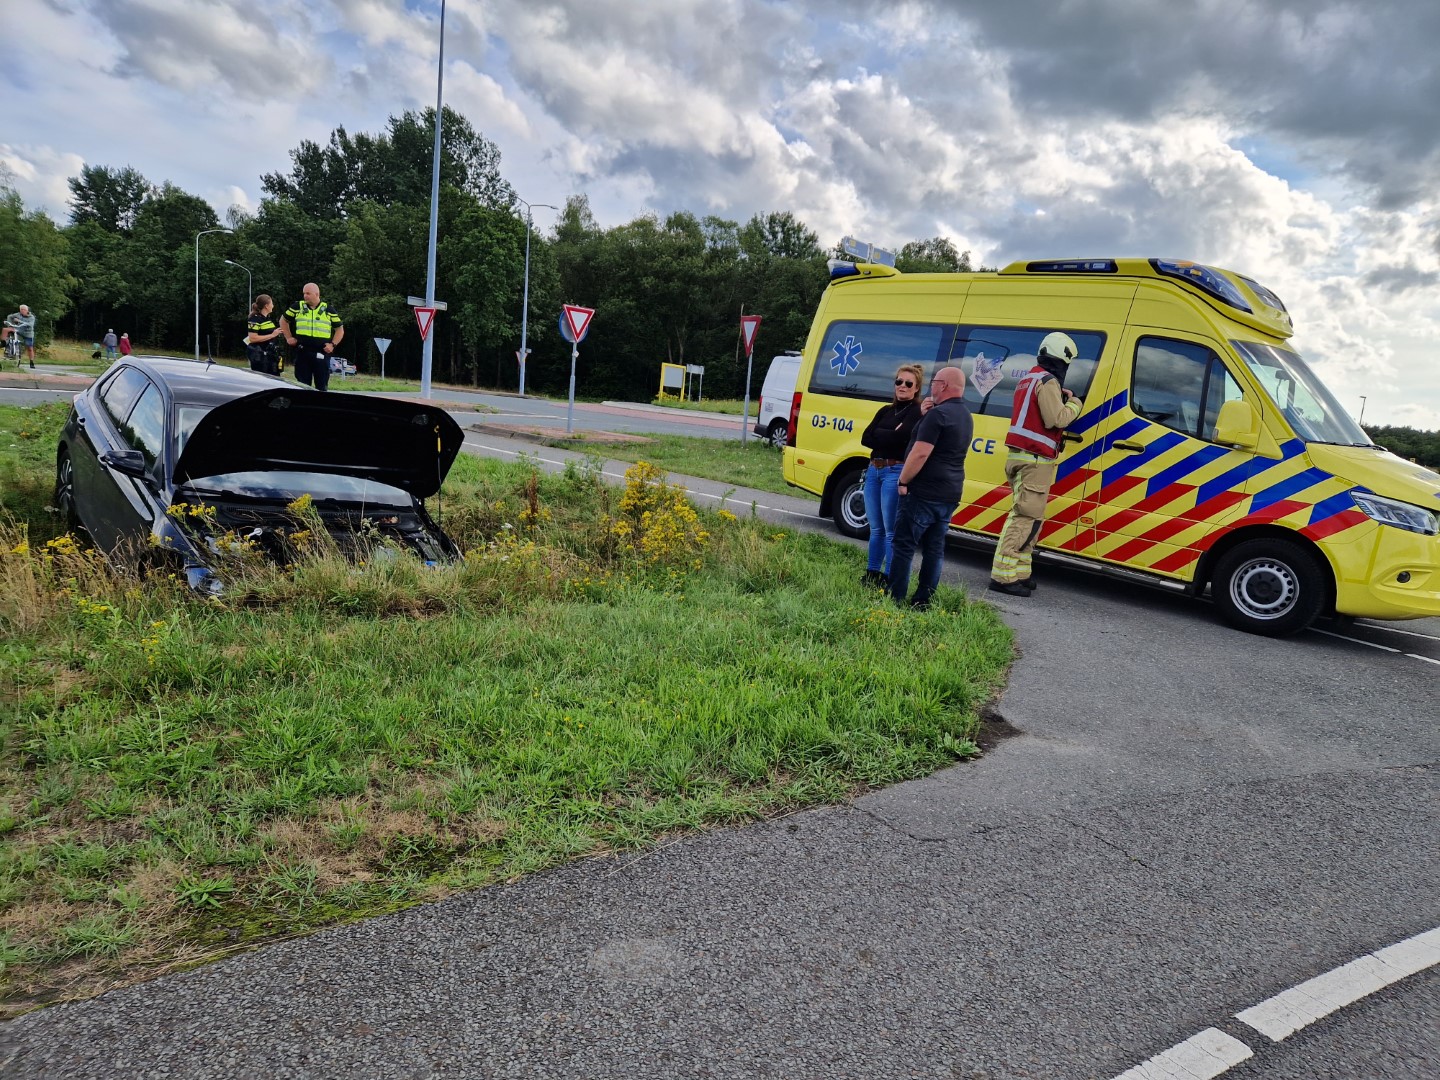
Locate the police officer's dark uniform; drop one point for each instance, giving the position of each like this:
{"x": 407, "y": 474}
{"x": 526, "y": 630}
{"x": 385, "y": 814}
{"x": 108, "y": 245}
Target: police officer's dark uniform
{"x": 316, "y": 330}
{"x": 264, "y": 356}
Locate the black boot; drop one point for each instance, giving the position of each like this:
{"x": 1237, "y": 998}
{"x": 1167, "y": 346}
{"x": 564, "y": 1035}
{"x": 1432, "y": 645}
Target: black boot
{"x": 1010, "y": 588}
{"x": 875, "y": 579}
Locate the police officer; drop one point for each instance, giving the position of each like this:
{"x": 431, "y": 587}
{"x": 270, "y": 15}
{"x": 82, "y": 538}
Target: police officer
{"x": 260, "y": 337}
{"x": 1043, "y": 409}
{"x": 313, "y": 331}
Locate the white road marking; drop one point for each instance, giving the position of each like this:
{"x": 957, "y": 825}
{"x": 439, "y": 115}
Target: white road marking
{"x": 1211, "y": 1052}
{"x": 1356, "y": 640}
{"x": 1289, "y": 1011}
{"x": 1376, "y": 645}
{"x": 1396, "y": 630}
{"x": 1200, "y": 1057}
{"x": 722, "y": 499}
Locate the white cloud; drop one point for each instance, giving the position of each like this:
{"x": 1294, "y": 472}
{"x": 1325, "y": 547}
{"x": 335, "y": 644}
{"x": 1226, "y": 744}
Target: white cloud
{"x": 1016, "y": 130}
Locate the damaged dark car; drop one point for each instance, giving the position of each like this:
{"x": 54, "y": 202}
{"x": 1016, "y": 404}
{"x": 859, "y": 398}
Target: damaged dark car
{"x": 171, "y": 460}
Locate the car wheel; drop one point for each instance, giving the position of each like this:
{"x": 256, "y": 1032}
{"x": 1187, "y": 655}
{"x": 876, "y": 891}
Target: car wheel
{"x": 1270, "y": 587}
{"x": 849, "y": 513}
{"x": 777, "y": 434}
{"x": 65, "y": 492}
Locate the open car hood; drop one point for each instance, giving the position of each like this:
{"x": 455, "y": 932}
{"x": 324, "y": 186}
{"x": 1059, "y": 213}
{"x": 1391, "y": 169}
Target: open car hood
{"x": 409, "y": 445}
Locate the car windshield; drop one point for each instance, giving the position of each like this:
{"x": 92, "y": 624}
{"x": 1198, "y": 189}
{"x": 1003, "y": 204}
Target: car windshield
{"x": 1309, "y": 408}
{"x": 286, "y": 486}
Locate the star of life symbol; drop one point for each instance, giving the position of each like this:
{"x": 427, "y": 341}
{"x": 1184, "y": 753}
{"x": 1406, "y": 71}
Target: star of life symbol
{"x": 846, "y": 352}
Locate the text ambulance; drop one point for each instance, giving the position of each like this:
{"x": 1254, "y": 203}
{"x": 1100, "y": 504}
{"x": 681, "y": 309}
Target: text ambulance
{"x": 1208, "y": 453}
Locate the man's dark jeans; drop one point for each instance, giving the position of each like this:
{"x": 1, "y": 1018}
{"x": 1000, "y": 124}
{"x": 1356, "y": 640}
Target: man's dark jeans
{"x": 922, "y": 524}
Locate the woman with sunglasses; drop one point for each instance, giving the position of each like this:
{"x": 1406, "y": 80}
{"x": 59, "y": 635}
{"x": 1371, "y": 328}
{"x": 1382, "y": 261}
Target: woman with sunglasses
{"x": 888, "y": 437}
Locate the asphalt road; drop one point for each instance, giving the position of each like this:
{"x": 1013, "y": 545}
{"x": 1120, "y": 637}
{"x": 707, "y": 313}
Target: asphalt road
{"x": 1183, "y": 822}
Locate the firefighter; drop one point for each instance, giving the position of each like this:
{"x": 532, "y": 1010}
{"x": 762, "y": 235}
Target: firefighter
{"x": 1042, "y": 410}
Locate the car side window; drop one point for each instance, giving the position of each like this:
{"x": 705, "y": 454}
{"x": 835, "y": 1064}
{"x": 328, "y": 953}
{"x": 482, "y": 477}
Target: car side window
{"x": 145, "y": 428}
{"x": 995, "y": 359}
{"x": 1181, "y": 385}
{"x": 120, "y": 393}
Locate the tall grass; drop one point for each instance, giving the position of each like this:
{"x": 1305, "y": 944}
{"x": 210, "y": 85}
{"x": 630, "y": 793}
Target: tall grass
{"x": 182, "y": 776}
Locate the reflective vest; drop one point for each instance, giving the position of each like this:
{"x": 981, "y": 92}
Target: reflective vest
{"x": 1027, "y": 428}
{"x": 316, "y": 322}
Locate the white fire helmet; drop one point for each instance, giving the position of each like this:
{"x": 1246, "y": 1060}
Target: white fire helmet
{"x": 1059, "y": 346}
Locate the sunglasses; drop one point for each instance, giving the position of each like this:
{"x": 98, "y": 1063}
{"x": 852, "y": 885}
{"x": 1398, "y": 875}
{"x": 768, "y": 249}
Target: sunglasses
{"x": 905, "y": 382}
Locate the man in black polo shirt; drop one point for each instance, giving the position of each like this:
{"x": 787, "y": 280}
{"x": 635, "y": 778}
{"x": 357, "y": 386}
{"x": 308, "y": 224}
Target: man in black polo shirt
{"x": 931, "y": 482}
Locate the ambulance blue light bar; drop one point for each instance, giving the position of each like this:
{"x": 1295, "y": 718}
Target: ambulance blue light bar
{"x": 1205, "y": 279}
{"x": 1073, "y": 266}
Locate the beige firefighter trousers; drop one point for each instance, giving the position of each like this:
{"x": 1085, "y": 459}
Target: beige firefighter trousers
{"x": 1030, "y": 480}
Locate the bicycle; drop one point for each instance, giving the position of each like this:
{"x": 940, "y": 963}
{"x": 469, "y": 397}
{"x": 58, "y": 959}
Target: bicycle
{"x": 15, "y": 348}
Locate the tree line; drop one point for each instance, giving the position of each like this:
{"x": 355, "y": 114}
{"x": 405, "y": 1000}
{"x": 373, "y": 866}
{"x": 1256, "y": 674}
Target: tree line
{"x": 353, "y": 216}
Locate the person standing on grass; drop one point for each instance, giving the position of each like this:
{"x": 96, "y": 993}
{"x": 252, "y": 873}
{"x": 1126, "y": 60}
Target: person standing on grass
{"x": 312, "y": 330}
{"x": 930, "y": 485}
{"x": 1043, "y": 409}
{"x": 112, "y": 344}
{"x": 124, "y": 344}
{"x": 888, "y": 437}
{"x": 21, "y": 322}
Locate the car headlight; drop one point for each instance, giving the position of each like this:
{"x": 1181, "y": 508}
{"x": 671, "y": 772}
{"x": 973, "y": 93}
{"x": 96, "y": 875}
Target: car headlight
{"x": 1402, "y": 515}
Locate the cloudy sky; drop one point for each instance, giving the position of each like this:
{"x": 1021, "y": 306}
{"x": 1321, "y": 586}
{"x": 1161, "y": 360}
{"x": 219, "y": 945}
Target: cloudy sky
{"x": 1297, "y": 141}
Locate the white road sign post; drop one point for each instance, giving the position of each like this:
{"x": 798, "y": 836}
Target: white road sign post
{"x": 382, "y": 343}
{"x": 749, "y": 324}
{"x": 574, "y": 324}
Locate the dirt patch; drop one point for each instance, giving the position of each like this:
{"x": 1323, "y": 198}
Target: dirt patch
{"x": 994, "y": 729}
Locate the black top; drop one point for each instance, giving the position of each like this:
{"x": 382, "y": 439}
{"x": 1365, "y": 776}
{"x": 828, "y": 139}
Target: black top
{"x": 889, "y": 433}
{"x": 949, "y": 428}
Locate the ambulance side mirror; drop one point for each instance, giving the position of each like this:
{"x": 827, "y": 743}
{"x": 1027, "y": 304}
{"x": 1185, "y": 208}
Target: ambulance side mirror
{"x": 1238, "y": 425}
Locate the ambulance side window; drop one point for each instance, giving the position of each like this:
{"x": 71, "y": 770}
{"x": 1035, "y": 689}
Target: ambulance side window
{"x": 1181, "y": 385}
{"x": 995, "y": 358}
{"x": 858, "y": 359}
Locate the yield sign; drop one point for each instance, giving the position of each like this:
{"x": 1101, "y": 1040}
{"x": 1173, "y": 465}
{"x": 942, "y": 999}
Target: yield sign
{"x": 425, "y": 317}
{"x": 748, "y": 325}
{"x": 579, "y": 319}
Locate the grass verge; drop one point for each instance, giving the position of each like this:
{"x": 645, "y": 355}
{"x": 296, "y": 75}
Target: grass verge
{"x": 728, "y": 406}
{"x": 180, "y": 778}
{"x": 753, "y": 464}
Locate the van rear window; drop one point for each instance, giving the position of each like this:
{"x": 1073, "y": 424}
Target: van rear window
{"x": 858, "y": 359}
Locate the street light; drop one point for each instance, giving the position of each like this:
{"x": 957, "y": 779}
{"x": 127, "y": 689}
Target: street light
{"x": 249, "y": 288}
{"x": 202, "y": 232}
{"x": 525, "y": 303}
{"x": 1361, "y": 421}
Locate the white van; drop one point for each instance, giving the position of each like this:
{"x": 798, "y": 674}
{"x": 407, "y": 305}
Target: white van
{"x": 776, "y": 396}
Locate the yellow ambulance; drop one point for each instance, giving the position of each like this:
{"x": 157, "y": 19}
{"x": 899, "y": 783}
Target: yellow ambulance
{"x": 1208, "y": 453}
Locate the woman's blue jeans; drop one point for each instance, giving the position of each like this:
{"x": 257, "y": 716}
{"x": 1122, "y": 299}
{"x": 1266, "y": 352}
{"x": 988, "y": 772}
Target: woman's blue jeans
{"x": 882, "y": 495}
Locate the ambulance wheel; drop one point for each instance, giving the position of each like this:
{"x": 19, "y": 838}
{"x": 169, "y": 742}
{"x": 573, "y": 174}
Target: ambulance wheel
{"x": 778, "y": 432}
{"x": 1270, "y": 587}
{"x": 850, "y": 505}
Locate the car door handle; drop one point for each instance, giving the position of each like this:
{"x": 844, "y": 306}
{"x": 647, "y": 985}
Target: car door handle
{"x": 1128, "y": 446}
{"x": 1070, "y": 436}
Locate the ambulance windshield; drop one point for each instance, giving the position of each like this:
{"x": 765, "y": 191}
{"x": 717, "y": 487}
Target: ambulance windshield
{"x": 1309, "y": 408}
